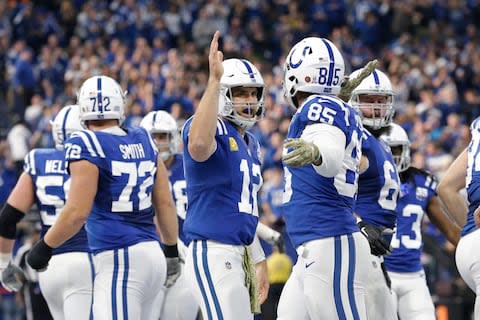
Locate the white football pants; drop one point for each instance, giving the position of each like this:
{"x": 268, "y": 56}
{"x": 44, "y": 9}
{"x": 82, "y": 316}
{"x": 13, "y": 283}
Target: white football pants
{"x": 467, "y": 258}
{"x": 179, "y": 302}
{"x": 328, "y": 280}
{"x": 379, "y": 299}
{"x": 214, "y": 272}
{"x": 411, "y": 296}
{"x": 129, "y": 281}
{"x": 67, "y": 286}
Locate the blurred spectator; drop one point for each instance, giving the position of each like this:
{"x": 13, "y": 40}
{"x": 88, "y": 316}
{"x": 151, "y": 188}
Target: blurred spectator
{"x": 23, "y": 82}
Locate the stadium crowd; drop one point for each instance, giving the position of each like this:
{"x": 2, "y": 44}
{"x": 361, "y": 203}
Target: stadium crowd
{"x": 156, "y": 50}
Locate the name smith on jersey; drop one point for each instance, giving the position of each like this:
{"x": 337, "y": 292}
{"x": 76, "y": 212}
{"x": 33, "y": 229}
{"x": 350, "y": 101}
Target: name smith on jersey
{"x": 132, "y": 151}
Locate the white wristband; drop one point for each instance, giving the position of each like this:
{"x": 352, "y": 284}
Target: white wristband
{"x": 5, "y": 259}
{"x": 257, "y": 252}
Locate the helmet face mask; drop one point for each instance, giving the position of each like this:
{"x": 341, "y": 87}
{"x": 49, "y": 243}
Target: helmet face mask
{"x": 66, "y": 122}
{"x": 242, "y": 93}
{"x": 399, "y": 143}
{"x": 313, "y": 65}
{"x": 373, "y": 100}
{"x": 164, "y": 131}
{"x": 101, "y": 98}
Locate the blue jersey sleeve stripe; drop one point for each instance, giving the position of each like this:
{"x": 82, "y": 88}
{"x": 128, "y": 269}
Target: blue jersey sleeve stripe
{"x": 86, "y": 142}
{"x": 332, "y": 62}
{"x": 96, "y": 143}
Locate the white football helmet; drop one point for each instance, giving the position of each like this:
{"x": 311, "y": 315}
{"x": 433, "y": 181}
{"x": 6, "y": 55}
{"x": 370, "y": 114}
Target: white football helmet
{"x": 397, "y": 137}
{"x": 240, "y": 73}
{"x": 313, "y": 65}
{"x": 163, "y": 122}
{"x": 378, "y": 84}
{"x": 66, "y": 122}
{"x": 101, "y": 98}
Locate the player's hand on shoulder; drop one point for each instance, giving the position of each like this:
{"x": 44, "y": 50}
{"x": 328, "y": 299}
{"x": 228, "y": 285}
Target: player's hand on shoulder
{"x": 39, "y": 255}
{"x": 300, "y": 153}
{"x": 12, "y": 277}
{"x": 350, "y": 84}
{"x": 379, "y": 246}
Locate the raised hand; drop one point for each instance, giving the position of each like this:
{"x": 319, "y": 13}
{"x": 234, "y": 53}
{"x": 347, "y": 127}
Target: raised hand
{"x": 350, "y": 84}
{"x": 215, "y": 58}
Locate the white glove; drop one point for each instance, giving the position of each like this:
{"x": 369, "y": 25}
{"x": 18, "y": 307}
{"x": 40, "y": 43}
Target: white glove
{"x": 12, "y": 277}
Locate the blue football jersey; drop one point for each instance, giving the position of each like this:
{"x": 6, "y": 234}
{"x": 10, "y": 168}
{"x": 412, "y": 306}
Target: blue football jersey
{"x": 473, "y": 176}
{"x": 379, "y": 185}
{"x": 222, "y": 191}
{"x": 315, "y": 206}
{"x": 122, "y": 213}
{"x": 178, "y": 185}
{"x": 47, "y": 168}
{"x": 407, "y": 242}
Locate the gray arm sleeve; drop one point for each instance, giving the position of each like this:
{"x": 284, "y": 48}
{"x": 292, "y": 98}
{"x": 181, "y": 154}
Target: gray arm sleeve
{"x": 330, "y": 140}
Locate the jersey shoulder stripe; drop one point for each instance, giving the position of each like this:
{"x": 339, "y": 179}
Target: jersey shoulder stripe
{"x": 221, "y": 128}
{"x": 96, "y": 144}
{"x": 29, "y": 163}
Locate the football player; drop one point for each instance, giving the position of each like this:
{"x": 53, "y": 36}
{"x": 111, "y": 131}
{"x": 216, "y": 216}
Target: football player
{"x": 465, "y": 172}
{"x": 222, "y": 171}
{"x": 67, "y": 284}
{"x": 179, "y": 302}
{"x": 418, "y": 196}
{"x": 116, "y": 176}
{"x": 378, "y": 187}
{"x": 321, "y": 165}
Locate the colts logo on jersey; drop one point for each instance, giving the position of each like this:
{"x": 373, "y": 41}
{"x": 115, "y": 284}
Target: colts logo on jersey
{"x": 421, "y": 193}
{"x": 233, "y": 144}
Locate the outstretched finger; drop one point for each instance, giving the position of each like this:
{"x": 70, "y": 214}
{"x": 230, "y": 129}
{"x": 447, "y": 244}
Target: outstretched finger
{"x": 214, "y": 43}
{"x": 291, "y": 143}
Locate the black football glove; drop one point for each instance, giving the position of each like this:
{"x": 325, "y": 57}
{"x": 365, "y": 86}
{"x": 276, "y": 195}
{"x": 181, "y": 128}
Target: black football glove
{"x": 39, "y": 256}
{"x": 375, "y": 236}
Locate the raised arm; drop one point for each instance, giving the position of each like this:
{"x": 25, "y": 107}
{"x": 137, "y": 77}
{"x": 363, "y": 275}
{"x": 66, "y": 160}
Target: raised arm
{"x": 201, "y": 140}
{"x": 449, "y": 187}
{"x": 449, "y": 228}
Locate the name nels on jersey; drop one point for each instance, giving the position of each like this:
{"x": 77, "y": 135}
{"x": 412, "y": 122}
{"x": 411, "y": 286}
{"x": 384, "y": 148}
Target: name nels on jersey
{"x": 55, "y": 166}
{"x": 132, "y": 151}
